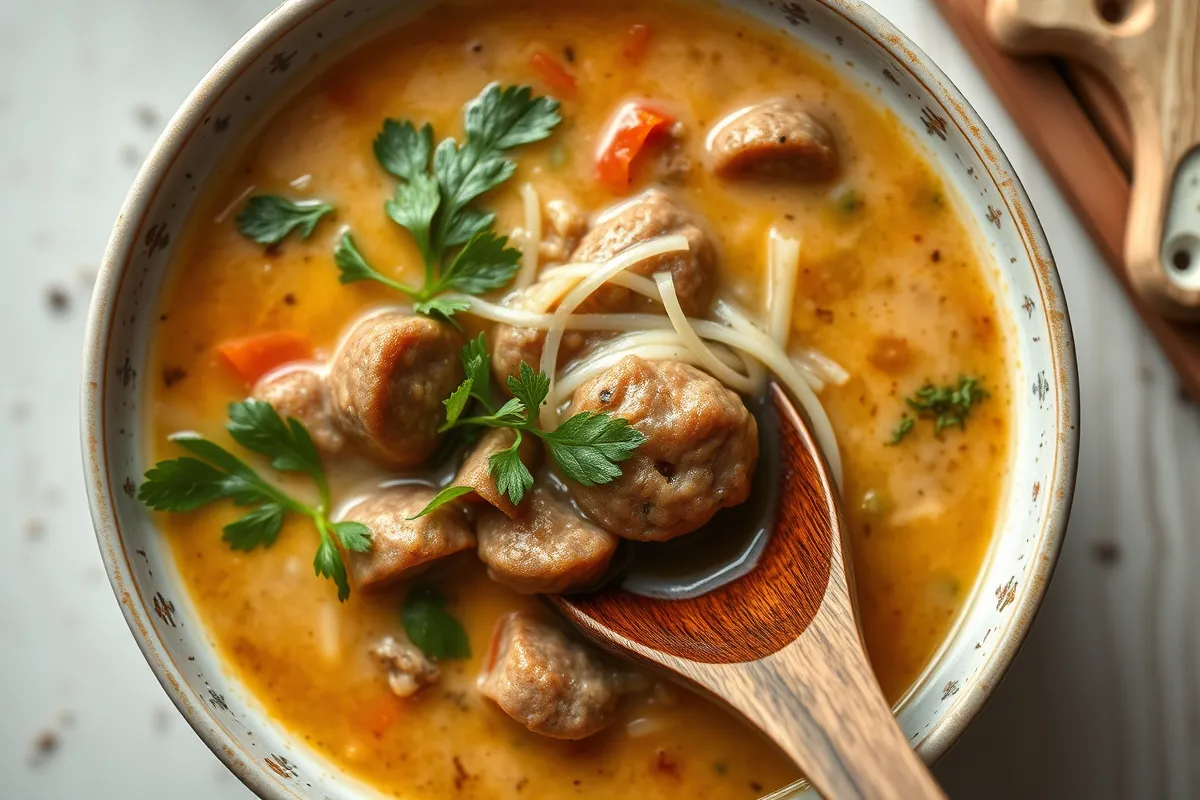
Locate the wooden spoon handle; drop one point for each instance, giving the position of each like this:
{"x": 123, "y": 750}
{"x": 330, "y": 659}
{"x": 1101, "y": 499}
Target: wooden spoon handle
{"x": 1150, "y": 51}
{"x": 823, "y": 707}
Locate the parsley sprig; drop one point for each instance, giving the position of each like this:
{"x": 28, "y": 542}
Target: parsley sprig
{"x": 587, "y": 448}
{"x": 431, "y": 627}
{"x": 212, "y": 473}
{"x": 947, "y": 406}
{"x": 433, "y": 200}
{"x": 269, "y": 218}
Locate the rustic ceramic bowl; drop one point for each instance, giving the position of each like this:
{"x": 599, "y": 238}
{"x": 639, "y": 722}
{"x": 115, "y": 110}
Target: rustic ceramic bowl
{"x": 258, "y": 70}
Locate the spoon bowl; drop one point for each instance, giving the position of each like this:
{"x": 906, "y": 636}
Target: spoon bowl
{"x": 781, "y": 644}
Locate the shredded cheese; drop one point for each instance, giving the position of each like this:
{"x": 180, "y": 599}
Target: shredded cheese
{"x": 583, "y": 290}
{"x": 783, "y": 269}
{"x": 533, "y": 236}
{"x": 774, "y": 359}
{"x": 687, "y": 333}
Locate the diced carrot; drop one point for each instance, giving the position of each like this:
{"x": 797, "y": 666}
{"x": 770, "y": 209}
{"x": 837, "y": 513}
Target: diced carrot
{"x": 623, "y": 139}
{"x": 637, "y": 40}
{"x": 381, "y": 713}
{"x": 553, "y": 73}
{"x": 254, "y": 356}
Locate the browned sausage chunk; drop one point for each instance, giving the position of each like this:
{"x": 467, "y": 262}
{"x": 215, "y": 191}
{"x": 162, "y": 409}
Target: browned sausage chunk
{"x": 474, "y": 471}
{"x": 646, "y": 217}
{"x": 548, "y": 683}
{"x": 400, "y": 547}
{"x": 407, "y": 667}
{"x": 778, "y": 139}
{"x": 387, "y": 384}
{"x": 550, "y": 550}
{"x": 699, "y": 456}
{"x": 300, "y": 392}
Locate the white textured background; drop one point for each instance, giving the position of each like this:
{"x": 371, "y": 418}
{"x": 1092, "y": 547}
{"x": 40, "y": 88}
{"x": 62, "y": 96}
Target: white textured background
{"x": 1103, "y": 703}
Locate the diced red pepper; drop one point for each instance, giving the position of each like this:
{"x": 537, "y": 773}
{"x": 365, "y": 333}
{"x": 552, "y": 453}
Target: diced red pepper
{"x": 254, "y": 356}
{"x": 553, "y": 73}
{"x": 637, "y": 40}
{"x": 623, "y": 138}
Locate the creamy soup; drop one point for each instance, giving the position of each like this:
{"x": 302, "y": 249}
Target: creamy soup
{"x": 889, "y": 288}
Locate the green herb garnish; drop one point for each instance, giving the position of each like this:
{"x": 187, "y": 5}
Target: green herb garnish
{"x": 586, "y": 448}
{"x": 430, "y": 627}
{"x": 269, "y": 218}
{"x": 947, "y": 406}
{"x": 188, "y": 483}
{"x": 459, "y": 248}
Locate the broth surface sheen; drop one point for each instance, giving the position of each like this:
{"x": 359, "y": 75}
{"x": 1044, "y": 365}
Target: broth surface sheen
{"x": 891, "y": 288}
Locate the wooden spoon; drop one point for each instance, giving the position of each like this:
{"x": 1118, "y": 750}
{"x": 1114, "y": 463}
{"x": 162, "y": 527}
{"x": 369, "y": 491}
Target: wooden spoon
{"x": 781, "y": 644}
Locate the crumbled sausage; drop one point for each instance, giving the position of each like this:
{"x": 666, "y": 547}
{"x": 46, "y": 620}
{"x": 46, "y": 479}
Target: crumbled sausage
{"x": 699, "y": 455}
{"x": 777, "y": 139}
{"x": 402, "y": 547}
{"x": 474, "y": 471}
{"x": 408, "y": 668}
{"x": 552, "y": 685}
{"x": 549, "y": 550}
{"x": 300, "y": 392}
{"x": 646, "y": 217}
{"x": 566, "y": 224}
{"x": 387, "y": 383}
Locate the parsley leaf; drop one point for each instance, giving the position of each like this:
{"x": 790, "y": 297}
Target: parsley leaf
{"x": 211, "y": 473}
{"x": 431, "y": 627}
{"x": 904, "y": 428}
{"x": 484, "y": 263}
{"x": 352, "y": 267}
{"x": 258, "y": 527}
{"x": 269, "y": 218}
{"x": 437, "y": 187}
{"x": 403, "y": 150}
{"x": 440, "y": 499}
{"x": 510, "y": 473}
{"x": 947, "y": 406}
{"x": 588, "y": 446}
{"x": 530, "y": 387}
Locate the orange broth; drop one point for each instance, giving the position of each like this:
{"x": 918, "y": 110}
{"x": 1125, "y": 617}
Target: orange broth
{"x": 891, "y": 288}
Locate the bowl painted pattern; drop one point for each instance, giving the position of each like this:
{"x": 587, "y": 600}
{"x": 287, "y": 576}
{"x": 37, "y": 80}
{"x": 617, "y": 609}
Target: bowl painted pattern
{"x": 875, "y": 58}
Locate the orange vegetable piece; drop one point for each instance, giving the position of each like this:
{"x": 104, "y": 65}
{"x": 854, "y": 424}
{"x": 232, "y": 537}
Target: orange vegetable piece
{"x": 637, "y": 40}
{"x": 254, "y": 356}
{"x": 553, "y": 73}
{"x": 624, "y": 137}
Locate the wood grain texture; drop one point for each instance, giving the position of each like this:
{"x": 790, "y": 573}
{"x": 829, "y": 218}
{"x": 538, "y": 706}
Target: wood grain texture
{"x": 1080, "y": 161}
{"x": 1152, "y": 58}
{"x": 780, "y": 645}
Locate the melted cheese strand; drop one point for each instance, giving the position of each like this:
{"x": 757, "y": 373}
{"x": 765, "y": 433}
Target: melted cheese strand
{"x": 774, "y": 359}
{"x": 530, "y": 251}
{"x": 620, "y": 263}
{"x": 711, "y": 364}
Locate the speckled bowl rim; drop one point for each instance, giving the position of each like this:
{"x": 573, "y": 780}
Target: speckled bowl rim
{"x": 188, "y": 119}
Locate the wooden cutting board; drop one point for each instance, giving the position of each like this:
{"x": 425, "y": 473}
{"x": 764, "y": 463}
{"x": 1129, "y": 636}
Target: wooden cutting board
{"x": 1077, "y": 125}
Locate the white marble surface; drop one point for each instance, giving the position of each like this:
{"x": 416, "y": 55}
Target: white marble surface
{"x": 1103, "y": 703}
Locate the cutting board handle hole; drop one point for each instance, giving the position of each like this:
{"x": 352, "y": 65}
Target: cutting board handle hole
{"x": 1183, "y": 254}
{"x": 1114, "y": 12}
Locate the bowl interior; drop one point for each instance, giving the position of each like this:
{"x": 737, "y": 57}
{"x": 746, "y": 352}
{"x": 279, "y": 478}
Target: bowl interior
{"x": 251, "y": 79}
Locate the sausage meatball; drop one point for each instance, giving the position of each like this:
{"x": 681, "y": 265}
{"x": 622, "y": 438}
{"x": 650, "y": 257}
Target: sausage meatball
{"x": 387, "y": 383}
{"x": 646, "y": 217}
{"x": 699, "y": 456}
{"x": 474, "y": 471}
{"x": 545, "y": 681}
{"x": 300, "y": 392}
{"x": 549, "y": 550}
{"x": 778, "y": 139}
{"x": 400, "y": 547}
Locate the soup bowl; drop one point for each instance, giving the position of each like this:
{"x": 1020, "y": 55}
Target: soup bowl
{"x": 260, "y": 70}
